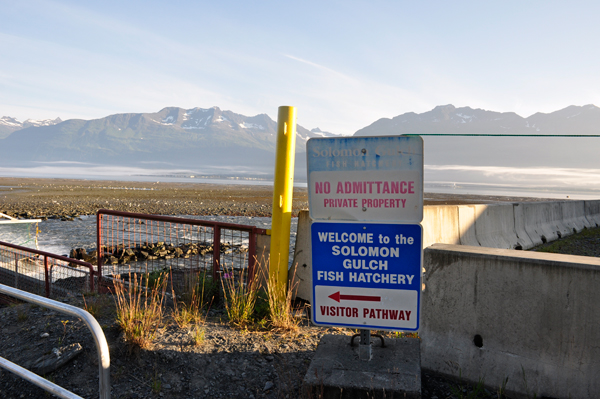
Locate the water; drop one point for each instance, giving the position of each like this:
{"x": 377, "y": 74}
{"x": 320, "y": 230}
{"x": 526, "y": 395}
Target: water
{"x": 20, "y": 234}
{"x": 540, "y": 182}
{"x": 537, "y": 182}
{"x": 59, "y": 237}
{"x": 79, "y": 170}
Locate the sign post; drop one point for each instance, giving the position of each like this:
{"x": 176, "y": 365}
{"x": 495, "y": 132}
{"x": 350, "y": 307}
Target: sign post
{"x": 366, "y": 205}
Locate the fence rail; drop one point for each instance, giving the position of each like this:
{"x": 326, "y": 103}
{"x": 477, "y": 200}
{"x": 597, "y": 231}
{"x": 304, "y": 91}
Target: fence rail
{"x": 135, "y": 242}
{"x": 44, "y": 273}
{"x": 92, "y": 324}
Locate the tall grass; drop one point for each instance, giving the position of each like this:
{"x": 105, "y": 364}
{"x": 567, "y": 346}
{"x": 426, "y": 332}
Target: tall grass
{"x": 281, "y": 312}
{"x": 191, "y": 305}
{"x": 239, "y": 295}
{"x": 242, "y": 306}
{"x": 140, "y": 307}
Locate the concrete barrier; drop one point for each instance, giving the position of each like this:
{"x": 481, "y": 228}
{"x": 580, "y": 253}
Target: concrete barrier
{"x": 520, "y": 230}
{"x": 467, "y": 214}
{"x": 301, "y": 280}
{"x": 573, "y": 215}
{"x": 563, "y": 219}
{"x": 592, "y": 212}
{"x": 495, "y": 226}
{"x": 532, "y": 317}
{"x": 540, "y": 221}
{"x": 440, "y": 224}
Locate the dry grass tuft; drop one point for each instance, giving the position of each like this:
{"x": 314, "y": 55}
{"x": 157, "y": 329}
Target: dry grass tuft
{"x": 240, "y": 297}
{"x": 197, "y": 336}
{"x": 194, "y": 301}
{"x": 281, "y": 312}
{"x": 140, "y": 308}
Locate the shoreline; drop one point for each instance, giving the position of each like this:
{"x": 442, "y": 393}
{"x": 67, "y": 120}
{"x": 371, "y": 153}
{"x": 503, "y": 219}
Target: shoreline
{"x": 45, "y": 198}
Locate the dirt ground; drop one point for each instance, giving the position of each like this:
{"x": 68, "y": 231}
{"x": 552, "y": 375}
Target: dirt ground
{"x": 229, "y": 363}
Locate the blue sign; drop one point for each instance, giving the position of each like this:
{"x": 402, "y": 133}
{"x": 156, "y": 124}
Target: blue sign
{"x": 367, "y": 275}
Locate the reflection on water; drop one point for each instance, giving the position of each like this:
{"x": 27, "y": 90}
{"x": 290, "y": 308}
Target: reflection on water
{"x": 20, "y": 234}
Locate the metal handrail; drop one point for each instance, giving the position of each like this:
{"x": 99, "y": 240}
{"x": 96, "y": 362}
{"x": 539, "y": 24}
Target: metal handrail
{"x": 47, "y": 255}
{"x": 88, "y": 319}
{"x": 173, "y": 219}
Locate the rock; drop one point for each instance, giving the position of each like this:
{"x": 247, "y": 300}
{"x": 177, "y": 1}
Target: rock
{"x": 45, "y": 335}
{"x": 58, "y": 358}
{"x": 268, "y": 385}
{"x": 78, "y": 253}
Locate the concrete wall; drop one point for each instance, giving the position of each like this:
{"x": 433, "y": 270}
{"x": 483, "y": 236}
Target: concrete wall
{"x": 507, "y": 226}
{"x": 301, "y": 280}
{"x": 536, "y": 316}
{"x": 510, "y": 226}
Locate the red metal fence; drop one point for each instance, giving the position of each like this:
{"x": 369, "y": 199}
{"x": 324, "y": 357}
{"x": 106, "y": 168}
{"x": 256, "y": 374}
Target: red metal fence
{"x": 44, "y": 273}
{"x": 135, "y": 242}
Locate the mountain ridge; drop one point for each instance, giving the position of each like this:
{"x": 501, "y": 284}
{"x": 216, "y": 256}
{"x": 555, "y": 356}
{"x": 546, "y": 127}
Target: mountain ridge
{"x": 515, "y": 151}
{"x": 9, "y": 124}
{"x": 234, "y": 144}
{"x": 449, "y": 119}
{"x": 184, "y": 137}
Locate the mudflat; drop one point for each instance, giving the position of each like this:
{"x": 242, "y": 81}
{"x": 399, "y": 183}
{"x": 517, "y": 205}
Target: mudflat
{"x": 44, "y": 198}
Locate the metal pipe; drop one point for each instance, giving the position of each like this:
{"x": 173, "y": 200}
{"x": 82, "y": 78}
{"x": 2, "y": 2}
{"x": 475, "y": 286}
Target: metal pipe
{"x": 99, "y": 252}
{"x": 37, "y": 380}
{"x": 216, "y": 251}
{"x": 43, "y": 253}
{"x": 46, "y": 255}
{"x": 283, "y": 188}
{"x": 251, "y": 256}
{"x": 364, "y": 348}
{"x": 16, "y": 270}
{"x": 47, "y": 276}
{"x": 172, "y": 219}
{"x": 88, "y": 319}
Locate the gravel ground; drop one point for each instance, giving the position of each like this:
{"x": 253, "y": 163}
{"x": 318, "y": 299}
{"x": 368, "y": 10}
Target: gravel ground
{"x": 229, "y": 363}
{"x": 62, "y": 198}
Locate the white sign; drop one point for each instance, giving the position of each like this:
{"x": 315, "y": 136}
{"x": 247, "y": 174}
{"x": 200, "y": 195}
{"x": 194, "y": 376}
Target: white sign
{"x": 366, "y": 178}
{"x": 366, "y": 307}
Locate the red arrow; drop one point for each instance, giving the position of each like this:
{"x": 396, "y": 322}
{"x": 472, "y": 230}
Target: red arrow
{"x": 337, "y": 297}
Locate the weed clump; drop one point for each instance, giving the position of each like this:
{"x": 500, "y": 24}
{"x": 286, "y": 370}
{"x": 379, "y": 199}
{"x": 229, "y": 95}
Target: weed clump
{"x": 140, "y": 307}
{"x": 239, "y": 296}
{"x": 281, "y": 312}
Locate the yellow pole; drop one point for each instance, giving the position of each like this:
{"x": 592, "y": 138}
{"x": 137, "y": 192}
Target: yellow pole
{"x": 282, "y": 199}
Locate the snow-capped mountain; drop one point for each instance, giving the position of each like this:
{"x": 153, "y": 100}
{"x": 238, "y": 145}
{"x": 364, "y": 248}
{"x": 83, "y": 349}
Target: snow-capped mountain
{"x": 181, "y": 137}
{"x": 9, "y": 124}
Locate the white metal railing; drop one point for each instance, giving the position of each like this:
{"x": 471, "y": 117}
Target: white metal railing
{"x": 97, "y": 333}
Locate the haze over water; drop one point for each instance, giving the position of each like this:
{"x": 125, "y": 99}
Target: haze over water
{"x": 541, "y": 182}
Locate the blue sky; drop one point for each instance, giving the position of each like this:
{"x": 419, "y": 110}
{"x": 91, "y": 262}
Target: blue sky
{"x": 344, "y": 64}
